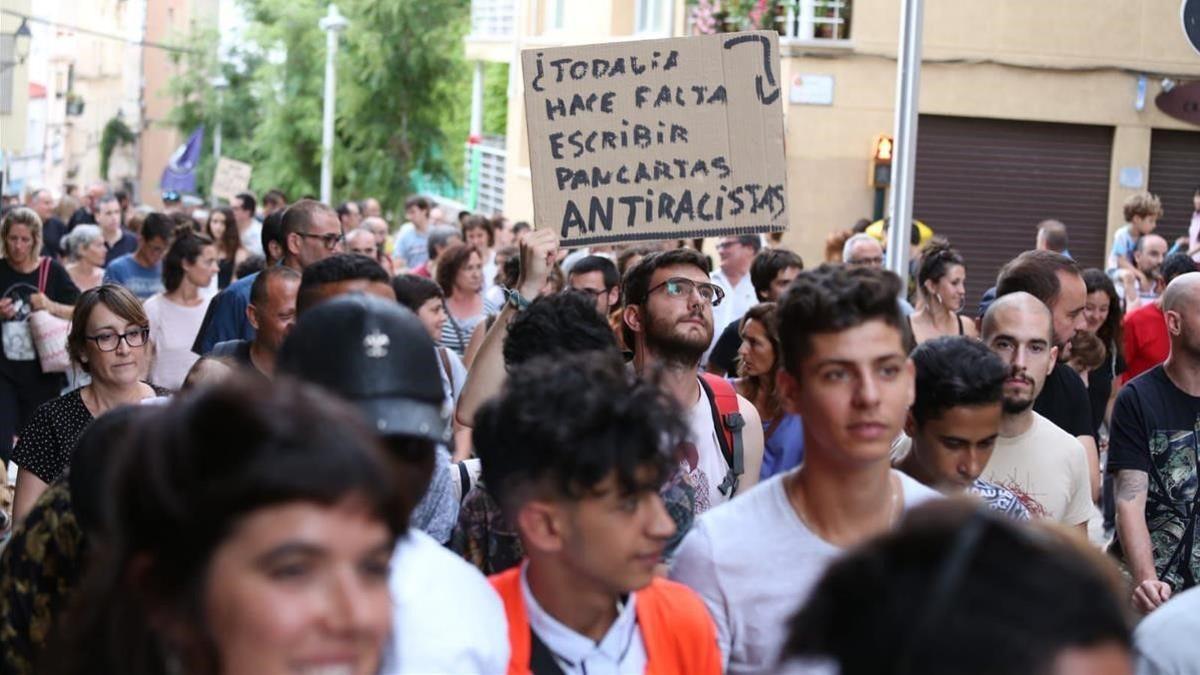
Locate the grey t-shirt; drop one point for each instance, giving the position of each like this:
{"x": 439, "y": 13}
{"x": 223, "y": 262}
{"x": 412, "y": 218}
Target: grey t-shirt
{"x": 754, "y": 563}
{"x": 1166, "y": 640}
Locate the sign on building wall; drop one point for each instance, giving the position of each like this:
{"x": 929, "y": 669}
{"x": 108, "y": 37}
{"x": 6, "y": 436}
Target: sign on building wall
{"x": 657, "y": 139}
{"x": 231, "y": 178}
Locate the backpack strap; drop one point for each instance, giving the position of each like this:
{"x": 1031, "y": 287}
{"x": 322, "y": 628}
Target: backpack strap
{"x": 727, "y": 419}
{"x": 43, "y": 273}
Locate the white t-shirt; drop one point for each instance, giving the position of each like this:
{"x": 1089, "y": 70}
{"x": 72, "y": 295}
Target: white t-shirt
{"x": 446, "y": 618}
{"x": 252, "y": 238}
{"x": 738, "y": 300}
{"x": 173, "y": 329}
{"x": 754, "y": 563}
{"x": 1166, "y": 640}
{"x": 1047, "y": 469}
{"x": 703, "y": 465}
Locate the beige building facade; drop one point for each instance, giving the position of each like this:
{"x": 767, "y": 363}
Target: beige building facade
{"x": 1024, "y": 70}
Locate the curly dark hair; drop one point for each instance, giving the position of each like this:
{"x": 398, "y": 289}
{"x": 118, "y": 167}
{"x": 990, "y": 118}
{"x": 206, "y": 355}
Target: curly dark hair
{"x": 833, "y": 298}
{"x": 564, "y": 424}
{"x": 936, "y": 261}
{"x": 556, "y": 325}
{"x": 335, "y": 268}
{"x": 953, "y": 371}
{"x": 952, "y": 583}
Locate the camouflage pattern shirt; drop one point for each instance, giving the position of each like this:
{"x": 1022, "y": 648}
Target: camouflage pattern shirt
{"x": 1156, "y": 430}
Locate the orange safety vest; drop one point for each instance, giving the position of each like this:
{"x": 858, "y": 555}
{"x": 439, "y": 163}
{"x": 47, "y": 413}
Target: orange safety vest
{"x": 677, "y": 630}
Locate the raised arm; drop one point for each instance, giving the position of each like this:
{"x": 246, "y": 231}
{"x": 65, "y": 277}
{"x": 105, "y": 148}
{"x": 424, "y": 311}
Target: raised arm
{"x": 486, "y": 375}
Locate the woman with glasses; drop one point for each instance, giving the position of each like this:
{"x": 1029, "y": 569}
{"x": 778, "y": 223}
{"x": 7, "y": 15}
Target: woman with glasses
{"x": 109, "y": 340}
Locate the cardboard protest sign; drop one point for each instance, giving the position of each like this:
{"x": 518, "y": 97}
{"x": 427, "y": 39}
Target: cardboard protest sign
{"x": 231, "y": 178}
{"x": 657, "y": 139}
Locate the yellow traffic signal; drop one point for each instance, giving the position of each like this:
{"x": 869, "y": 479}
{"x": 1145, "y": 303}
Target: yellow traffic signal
{"x": 880, "y": 174}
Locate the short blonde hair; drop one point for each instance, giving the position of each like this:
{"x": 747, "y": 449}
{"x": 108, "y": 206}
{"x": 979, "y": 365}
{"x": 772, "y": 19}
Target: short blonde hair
{"x": 22, "y": 216}
{"x": 1142, "y": 204}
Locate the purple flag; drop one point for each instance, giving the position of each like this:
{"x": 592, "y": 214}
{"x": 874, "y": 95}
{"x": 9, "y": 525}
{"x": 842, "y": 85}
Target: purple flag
{"x": 180, "y": 174}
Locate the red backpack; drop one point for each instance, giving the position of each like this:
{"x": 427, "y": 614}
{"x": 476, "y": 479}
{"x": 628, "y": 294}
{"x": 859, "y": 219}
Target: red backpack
{"x": 727, "y": 418}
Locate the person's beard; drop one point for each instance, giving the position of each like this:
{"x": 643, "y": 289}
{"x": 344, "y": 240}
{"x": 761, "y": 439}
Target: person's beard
{"x": 1016, "y": 406}
{"x": 674, "y": 348}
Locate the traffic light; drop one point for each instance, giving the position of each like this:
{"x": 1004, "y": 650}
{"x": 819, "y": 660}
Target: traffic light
{"x": 880, "y": 175}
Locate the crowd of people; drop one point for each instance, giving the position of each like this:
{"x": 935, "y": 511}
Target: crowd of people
{"x": 289, "y": 436}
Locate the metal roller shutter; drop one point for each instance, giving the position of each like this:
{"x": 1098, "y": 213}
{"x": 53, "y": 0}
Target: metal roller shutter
{"x": 984, "y": 184}
{"x": 1174, "y": 175}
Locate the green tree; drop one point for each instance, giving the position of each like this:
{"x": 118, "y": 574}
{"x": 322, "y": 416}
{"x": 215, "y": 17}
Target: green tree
{"x": 403, "y": 96}
{"x": 199, "y": 103}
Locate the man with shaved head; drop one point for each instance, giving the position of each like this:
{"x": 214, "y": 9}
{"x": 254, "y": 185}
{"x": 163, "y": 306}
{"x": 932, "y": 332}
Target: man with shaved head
{"x": 1154, "y": 452}
{"x": 1043, "y": 465}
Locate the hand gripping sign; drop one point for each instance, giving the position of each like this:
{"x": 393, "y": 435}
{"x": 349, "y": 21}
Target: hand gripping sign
{"x": 657, "y": 139}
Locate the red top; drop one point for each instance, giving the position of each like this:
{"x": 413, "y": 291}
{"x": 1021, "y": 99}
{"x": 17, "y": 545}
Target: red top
{"x": 676, "y": 628}
{"x": 1146, "y": 341}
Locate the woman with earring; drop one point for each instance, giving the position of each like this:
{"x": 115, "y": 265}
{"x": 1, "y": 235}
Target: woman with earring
{"x": 941, "y": 281}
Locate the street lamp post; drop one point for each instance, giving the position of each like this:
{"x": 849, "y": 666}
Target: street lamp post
{"x": 332, "y": 24}
{"x": 219, "y": 84}
{"x": 21, "y": 38}
{"x": 908, "y": 85}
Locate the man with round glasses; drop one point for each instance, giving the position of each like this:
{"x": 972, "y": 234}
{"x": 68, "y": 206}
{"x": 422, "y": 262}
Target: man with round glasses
{"x": 668, "y": 322}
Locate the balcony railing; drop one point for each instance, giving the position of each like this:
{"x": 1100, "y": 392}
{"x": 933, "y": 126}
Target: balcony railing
{"x": 492, "y": 19}
{"x": 484, "y": 172}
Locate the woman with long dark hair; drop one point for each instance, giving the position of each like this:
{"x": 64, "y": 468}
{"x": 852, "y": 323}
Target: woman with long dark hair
{"x": 250, "y": 531}
{"x": 1104, "y": 316}
{"x": 222, "y": 230}
{"x": 759, "y": 360}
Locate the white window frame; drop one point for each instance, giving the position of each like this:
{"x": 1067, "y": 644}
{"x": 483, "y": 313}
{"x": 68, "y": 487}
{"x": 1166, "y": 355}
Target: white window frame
{"x": 650, "y": 18}
{"x": 556, "y": 16}
{"x": 802, "y": 20}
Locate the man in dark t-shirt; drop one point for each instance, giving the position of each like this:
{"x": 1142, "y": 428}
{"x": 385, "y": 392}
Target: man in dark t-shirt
{"x": 771, "y": 271}
{"x": 1154, "y": 452}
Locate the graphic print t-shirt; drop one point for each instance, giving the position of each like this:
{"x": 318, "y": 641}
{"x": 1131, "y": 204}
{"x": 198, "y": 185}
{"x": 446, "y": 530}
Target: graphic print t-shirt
{"x": 1156, "y": 429}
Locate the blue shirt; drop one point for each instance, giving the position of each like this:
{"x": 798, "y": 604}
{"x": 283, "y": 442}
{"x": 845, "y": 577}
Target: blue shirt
{"x": 413, "y": 247}
{"x": 783, "y": 450}
{"x": 226, "y": 318}
{"x": 141, "y": 281}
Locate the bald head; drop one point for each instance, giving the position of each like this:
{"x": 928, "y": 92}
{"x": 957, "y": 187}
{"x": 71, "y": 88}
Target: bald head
{"x": 1020, "y": 307}
{"x": 1183, "y": 294}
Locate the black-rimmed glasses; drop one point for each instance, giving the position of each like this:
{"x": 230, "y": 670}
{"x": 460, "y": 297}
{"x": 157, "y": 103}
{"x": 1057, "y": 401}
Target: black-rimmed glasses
{"x": 330, "y": 241}
{"x": 680, "y": 286}
{"x": 107, "y": 342}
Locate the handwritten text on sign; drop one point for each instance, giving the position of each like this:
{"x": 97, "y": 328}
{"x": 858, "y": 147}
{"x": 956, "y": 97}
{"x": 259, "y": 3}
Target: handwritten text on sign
{"x": 658, "y": 139}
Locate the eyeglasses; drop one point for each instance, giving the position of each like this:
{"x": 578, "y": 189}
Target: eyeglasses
{"x": 679, "y": 286}
{"x": 330, "y": 241}
{"x": 107, "y": 342}
{"x": 592, "y": 292}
